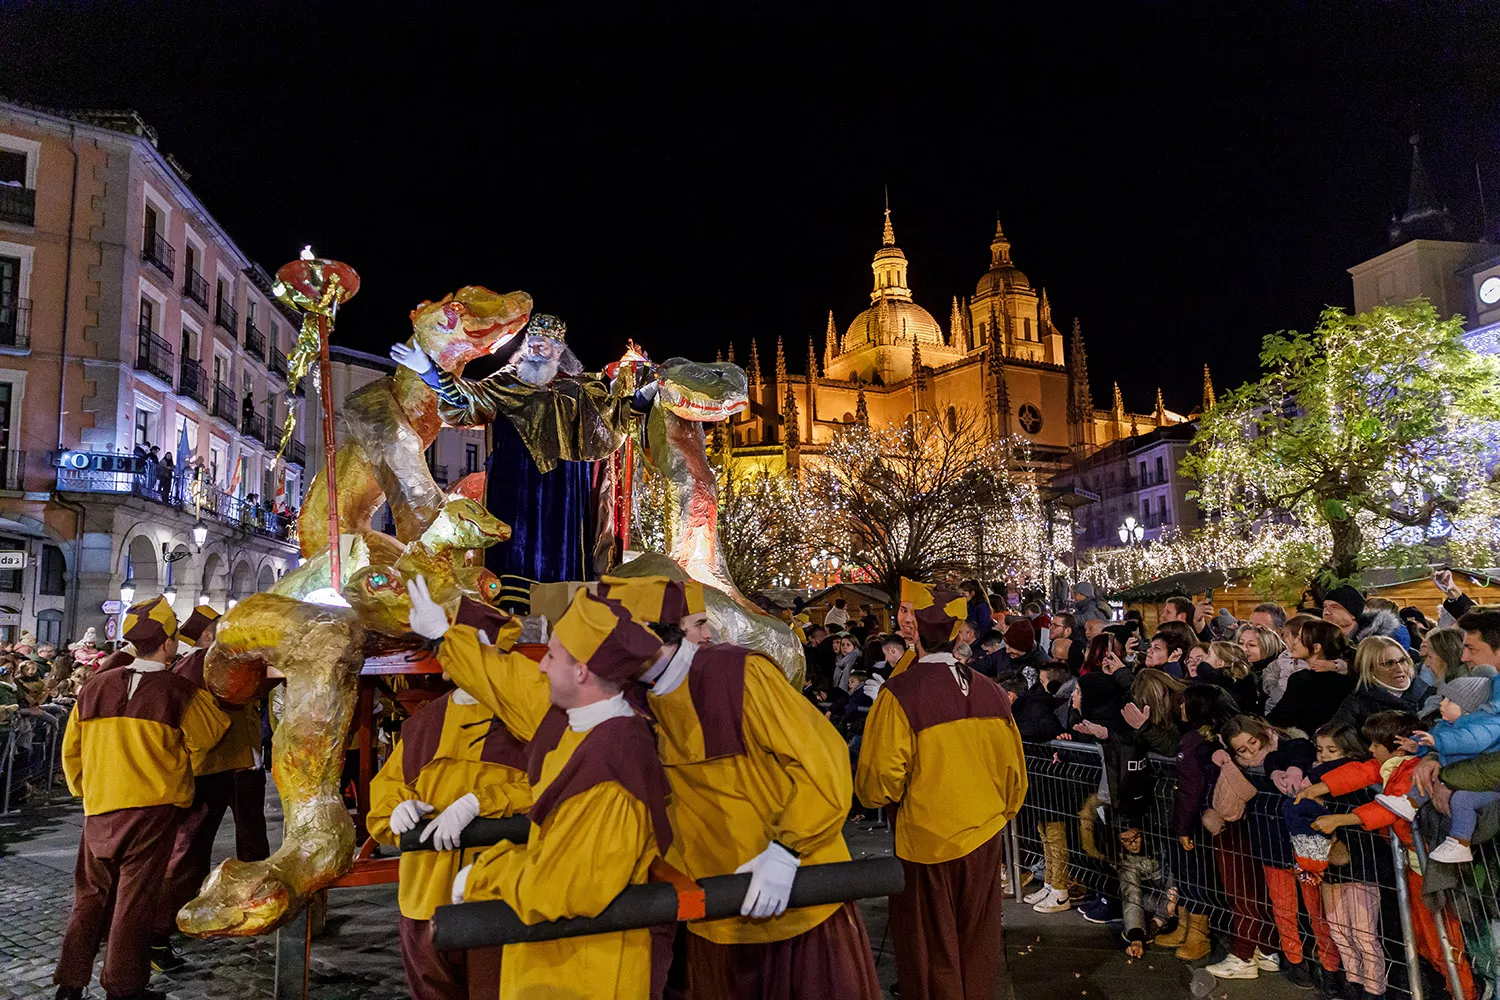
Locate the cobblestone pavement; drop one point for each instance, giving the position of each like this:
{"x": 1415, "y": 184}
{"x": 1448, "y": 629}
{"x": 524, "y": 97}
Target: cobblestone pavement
{"x": 357, "y": 957}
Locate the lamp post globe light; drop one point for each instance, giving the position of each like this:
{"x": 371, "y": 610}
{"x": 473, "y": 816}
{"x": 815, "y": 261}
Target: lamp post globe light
{"x": 1130, "y": 532}
{"x": 127, "y": 591}
{"x": 200, "y": 534}
{"x": 170, "y": 593}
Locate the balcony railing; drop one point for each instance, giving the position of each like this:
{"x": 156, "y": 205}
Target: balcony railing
{"x": 195, "y": 287}
{"x": 15, "y": 327}
{"x": 227, "y": 316}
{"x": 252, "y": 424}
{"x": 156, "y": 251}
{"x": 272, "y": 437}
{"x": 154, "y": 355}
{"x": 296, "y": 453}
{"x": 224, "y": 402}
{"x": 132, "y": 475}
{"x": 193, "y": 382}
{"x": 277, "y": 362}
{"x": 255, "y": 341}
{"x": 18, "y": 205}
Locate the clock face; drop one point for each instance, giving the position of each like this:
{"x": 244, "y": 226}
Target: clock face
{"x": 1489, "y": 291}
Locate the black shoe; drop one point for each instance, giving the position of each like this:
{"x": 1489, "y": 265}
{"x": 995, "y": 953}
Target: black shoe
{"x": 1297, "y": 975}
{"x": 165, "y": 959}
{"x": 70, "y": 993}
{"x": 138, "y": 995}
{"x": 1332, "y": 986}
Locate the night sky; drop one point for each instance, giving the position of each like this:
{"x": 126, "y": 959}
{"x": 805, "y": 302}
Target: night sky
{"x": 1182, "y": 185}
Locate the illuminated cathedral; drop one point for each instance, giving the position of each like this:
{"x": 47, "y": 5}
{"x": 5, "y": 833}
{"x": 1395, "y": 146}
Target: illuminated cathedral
{"x": 1001, "y": 356}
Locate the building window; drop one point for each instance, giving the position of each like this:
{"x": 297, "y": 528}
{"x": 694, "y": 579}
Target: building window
{"x": 49, "y": 627}
{"x": 1027, "y": 322}
{"x": 1161, "y": 469}
{"x": 952, "y": 420}
{"x": 153, "y": 225}
{"x": 52, "y": 580}
{"x": 10, "y": 579}
{"x": 143, "y": 428}
{"x": 1145, "y": 510}
{"x": 1161, "y": 510}
{"x": 471, "y": 458}
{"x": 12, "y": 168}
{"x": 148, "y": 314}
{"x": 1143, "y": 474}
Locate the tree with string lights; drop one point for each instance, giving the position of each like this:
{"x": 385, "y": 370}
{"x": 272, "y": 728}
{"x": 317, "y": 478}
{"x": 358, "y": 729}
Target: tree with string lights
{"x": 1379, "y": 428}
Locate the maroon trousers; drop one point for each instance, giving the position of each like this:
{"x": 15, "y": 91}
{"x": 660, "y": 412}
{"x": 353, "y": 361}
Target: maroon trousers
{"x": 446, "y": 975}
{"x": 1244, "y": 882}
{"x": 946, "y": 927}
{"x": 249, "y": 807}
{"x": 122, "y": 863}
{"x": 192, "y": 852}
{"x": 830, "y": 961}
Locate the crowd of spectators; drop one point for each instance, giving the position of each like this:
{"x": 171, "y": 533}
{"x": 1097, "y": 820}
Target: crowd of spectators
{"x": 38, "y": 685}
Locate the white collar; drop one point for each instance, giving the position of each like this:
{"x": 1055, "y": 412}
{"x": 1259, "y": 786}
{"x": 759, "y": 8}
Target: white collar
{"x": 137, "y": 668}
{"x": 581, "y": 720}
{"x": 667, "y": 675}
{"x": 952, "y": 661}
{"x": 939, "y": 658}
{"x": 462, "y": 697}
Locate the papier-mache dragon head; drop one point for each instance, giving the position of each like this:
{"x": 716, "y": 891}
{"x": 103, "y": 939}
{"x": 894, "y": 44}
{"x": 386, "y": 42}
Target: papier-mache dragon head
{"x": 468, "y": 324}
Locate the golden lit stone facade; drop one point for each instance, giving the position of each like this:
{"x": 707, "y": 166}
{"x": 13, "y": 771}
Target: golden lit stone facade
{"x": 1001, "y": 356}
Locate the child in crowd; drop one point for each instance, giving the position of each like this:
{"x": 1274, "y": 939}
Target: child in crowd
{"x": 1467, "y": 729}
{"x": 1146, "y": 887}
{"x": 1031, "y": 706}
{"x": 1196, "y": 654}
{"x": 1230, "y": 668}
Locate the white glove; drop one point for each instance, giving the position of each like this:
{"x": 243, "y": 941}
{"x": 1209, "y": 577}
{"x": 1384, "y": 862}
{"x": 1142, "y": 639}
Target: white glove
{"x": 872, "y": 686}
{"x": 411, "y": 356}
{"x": 408, "y": 814}
{"x": 446, "y": 830}
{"x": 427, "y": 618}
{"x": 772, "y": 872}
{"x": 460, "y": 881}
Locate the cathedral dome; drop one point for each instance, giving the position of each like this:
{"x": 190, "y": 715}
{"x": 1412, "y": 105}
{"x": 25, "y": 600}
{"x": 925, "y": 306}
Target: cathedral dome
{"x": 892, "y": 321}
{"x": 1003, "y": 270}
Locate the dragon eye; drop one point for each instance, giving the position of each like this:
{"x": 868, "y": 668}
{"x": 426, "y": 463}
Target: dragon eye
{"x": 379, "y": 579}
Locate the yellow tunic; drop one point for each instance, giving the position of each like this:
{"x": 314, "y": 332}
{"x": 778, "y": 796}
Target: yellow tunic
{"x": 455, "y": 770}
{"x": 236, "y": 751}
{"x": 121, "y": 751}
{"x": 958, "y": 772}
{"x": 791, "y": 785}
{"x": 589, "y": 848}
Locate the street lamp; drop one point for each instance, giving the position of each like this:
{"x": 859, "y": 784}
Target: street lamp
{"x": 127, "y": 591}
{"x": 202, "y": 598}
{"x": 200, "y": 534}
{"x": 170, "y": 593}
{"x": 1131, "y": 532}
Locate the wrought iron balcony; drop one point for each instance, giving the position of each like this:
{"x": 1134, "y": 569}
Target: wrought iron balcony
{"x": 15, "y": 329}
{"x": 18, "y": 205}
{"x": 224, "y": 402}
{"x": 272, "y": 436}
{"x": 277, "y": 362}
{"x": 154, "y": 355}
{"x": 156, "y": 251}
{"x": 255, "y": 341}
{"x": 193, "y": 381}
{"x": 296, "y": 453}
{"x": 195, "y": 287}
{"x": 227, "y": 316}
{"x": 253, "y": 425}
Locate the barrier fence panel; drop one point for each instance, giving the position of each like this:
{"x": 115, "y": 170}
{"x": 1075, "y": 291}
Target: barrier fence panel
{"x": 1258, "y": 891}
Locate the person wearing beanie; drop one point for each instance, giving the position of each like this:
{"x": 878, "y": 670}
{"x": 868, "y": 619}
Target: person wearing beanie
{"x": 128, "y": 751}
{"x": 455, "y": 763}
{"x": 941, "y": 744}
{"x": 1022, "y": 650}
{"x": 1467, "y": 728}
{"x": 225, "y": 777}
{"x": 599, "y": 810}
{"x": 1351, "y": 612}
{"x": 1087, "y": 607}
{"x": 760, "y": 783}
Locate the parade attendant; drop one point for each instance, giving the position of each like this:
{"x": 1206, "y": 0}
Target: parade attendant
{"x": 760, "y": 783}
{"x": 216, "y": 787}
{"x": 598, "y": 817}
{"x": 458, "y": 761}
{"x": 941, "y": 745}
{"x": 127, "y": 751}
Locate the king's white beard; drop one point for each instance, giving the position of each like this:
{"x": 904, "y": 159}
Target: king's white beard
{"x": 535, "y": 371}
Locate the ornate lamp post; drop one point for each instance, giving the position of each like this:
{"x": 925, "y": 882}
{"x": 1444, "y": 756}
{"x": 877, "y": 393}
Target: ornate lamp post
{"x": 1130, "y": 532}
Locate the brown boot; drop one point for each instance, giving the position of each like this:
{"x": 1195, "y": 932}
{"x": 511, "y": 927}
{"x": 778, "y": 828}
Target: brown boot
{"x": 1176, "y": 937}
{"x": 1196, "y": 946}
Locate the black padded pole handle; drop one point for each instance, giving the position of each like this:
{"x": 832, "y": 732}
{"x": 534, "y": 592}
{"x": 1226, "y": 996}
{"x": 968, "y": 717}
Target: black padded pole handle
{"x": 479, "y": 833}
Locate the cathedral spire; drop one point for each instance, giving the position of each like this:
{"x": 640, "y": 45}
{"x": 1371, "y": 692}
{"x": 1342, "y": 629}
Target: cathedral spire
{"x": 917, "y": 373}
{"x": 1119, "y": 403}
{"x": 1209, "y": 402}
{"x": 754, "y": 372}
{"x": 999, "y": 246}
{"x": 719, "y": 356}
{"x": 830, "y": 343}
{"x": 888, "y": 238}
{"x": 731, "y": 352}
{"x": 997, "y": 338}
{"x": 861, "y": 409}
{"x": 780, "y": 361}
{"x": 791, "y": 435}
{"x": 1425, "y": 217}
{"x": 1002, "y": 393}
{"x": 1161, "y": 409}
{"x": 812, "y": 362}
{"x": 956, "y": 338}
{"x": 1080, "y": 397}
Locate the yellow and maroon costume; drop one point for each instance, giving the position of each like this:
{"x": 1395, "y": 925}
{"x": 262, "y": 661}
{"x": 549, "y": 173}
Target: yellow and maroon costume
{"x": 127, "y": 751}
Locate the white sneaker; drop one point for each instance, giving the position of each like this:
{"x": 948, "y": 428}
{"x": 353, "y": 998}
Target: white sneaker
{"x": 1266, "y": 963}
{"x": 1234, "y": 967}
{"x": 1451, "y": 851}
{"x": 1398, "y": 804}
{"x": 1033, "y": 898}
{"x": 1056, "y": 902}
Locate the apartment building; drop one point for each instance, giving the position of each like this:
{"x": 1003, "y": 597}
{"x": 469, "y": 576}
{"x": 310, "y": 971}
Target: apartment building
{"x": 131, "y": 321}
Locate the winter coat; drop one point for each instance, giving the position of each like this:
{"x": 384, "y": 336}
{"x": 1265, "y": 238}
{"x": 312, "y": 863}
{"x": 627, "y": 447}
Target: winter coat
{"x": 1036, "y": 715}
{"x": 1090, "y": 608}
{"x": 1468, "y": 736}
{"x": 1364, "y": 702}
{"x": 1160, "y": 738}
{"x": 1196, "y": 773}
{"x": 1273, "y": 679}
{"x": 1477, "y": 774}
{"x": 1381, "y": 622}
{"x": 980, "y": 615}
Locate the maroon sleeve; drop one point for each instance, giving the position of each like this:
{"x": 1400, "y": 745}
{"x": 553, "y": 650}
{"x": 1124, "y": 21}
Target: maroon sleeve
{"x": 1192, "y": 786}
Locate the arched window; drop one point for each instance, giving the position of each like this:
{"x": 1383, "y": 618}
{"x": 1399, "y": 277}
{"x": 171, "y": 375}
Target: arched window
{"x": 1028, "y": 328}
{"x": 952, "y": 420}
{"x": 49, "y": 627}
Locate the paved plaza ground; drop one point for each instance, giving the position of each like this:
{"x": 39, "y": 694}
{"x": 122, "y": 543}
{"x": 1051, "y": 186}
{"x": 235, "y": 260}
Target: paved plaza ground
{"x": 1050, "y": 956}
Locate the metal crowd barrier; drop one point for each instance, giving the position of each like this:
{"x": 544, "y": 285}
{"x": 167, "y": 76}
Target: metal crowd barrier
{"x": 1367, "y": 906}
{"x": 43, "y": 764}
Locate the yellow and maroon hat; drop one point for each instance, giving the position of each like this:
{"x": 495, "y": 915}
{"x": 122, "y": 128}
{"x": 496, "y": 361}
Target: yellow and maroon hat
{"x": 939, "y": 612}
{"x": 654, "y": 598}
{"x": 604, "y": 635}
{"x": 202, "y": 617}
{"x": 149, "y": 623}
